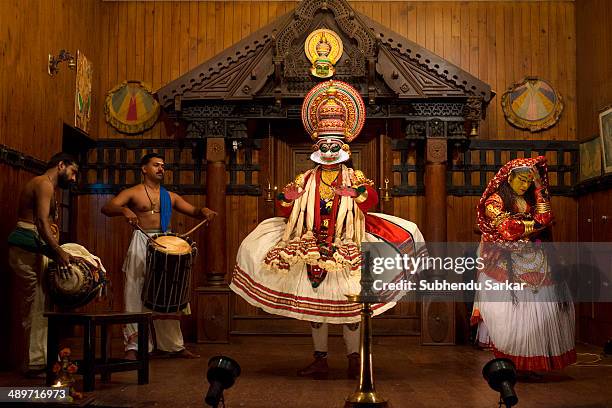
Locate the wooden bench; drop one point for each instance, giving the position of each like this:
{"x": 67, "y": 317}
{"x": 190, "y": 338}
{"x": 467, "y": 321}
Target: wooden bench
{"x": 90, "y": 366}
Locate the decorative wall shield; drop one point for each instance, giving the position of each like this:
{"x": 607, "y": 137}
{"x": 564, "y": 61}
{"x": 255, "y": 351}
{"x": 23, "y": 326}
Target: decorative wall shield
{"x": 82, "y": 98}
{"x": 323, "y": 48}
{"x": 532, "y": 104}
{"x": 131, "y": 108}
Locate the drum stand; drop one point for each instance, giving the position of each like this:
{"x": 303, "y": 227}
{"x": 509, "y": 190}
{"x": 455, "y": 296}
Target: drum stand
{"x": 365, "y": 396}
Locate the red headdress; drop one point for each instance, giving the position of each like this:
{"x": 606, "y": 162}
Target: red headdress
{"x": 489, "y": 232}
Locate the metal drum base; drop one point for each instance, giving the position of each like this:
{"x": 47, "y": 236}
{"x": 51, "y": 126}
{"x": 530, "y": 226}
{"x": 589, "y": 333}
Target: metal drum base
{"x": 365, "y": 400}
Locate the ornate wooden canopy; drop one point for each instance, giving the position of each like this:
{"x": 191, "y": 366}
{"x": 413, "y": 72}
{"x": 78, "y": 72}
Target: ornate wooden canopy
{"x": 267, "y": 74}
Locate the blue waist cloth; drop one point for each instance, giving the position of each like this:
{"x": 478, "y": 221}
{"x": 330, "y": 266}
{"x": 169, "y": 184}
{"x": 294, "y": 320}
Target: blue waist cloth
{"x": 165, "y": 204}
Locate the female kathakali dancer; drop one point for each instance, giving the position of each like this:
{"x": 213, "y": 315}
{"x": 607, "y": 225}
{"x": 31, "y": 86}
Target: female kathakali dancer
{"x": 533, "y": 327}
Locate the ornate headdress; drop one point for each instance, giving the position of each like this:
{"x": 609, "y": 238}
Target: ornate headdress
{"x": 333, "y": 114}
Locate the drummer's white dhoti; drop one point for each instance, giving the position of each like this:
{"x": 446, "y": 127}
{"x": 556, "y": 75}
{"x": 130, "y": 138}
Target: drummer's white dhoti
{"x": 167, "y": 326}
{"x": 30, "y": 337}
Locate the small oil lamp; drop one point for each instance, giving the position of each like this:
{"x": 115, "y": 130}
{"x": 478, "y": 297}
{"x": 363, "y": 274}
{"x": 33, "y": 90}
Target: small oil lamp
{"x": 384, "y": 192}
{"x": 270, "y": 192}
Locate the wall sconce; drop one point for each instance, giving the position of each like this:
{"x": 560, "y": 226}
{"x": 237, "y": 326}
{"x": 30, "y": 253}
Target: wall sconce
{"x": 384, "y": 192}
{"x": 270, "y": 193}
{"x": 52, "y": 67}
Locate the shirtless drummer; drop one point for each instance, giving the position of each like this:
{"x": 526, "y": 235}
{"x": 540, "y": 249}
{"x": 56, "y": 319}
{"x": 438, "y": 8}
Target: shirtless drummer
{"x": 32, "y": 243}
{"x": 150, "y": 206}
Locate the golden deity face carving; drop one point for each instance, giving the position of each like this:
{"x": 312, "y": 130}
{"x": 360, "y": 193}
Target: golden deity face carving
{"x": 323, "y": 48}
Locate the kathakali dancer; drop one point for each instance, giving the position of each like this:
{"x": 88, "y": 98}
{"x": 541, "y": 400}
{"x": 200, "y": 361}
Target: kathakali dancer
{"x": 303, "y": 263}
{"x": 534, "y": 327}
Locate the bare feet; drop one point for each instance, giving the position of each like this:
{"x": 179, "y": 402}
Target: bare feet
{"x": 130, "y": 355}
{"x": 184, "y": 353}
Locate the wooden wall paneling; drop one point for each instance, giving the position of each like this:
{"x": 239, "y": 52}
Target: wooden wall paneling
{"x": 103, "y": 76}
{"x": 585, "y": 218}
{"x": 483, "y": 52}
{"x": 184, "y": 17}
{"x": 593, "y": 318}
{"x": 565, "y": 210}
{"x": 584, "y": 310}
{"x": 200, "y": 35}
{"x": 465, "y": 36}
{"x": 134, "y": 18}
{"x": 492, "y": 70}
{"x": 525, "y": 44}
{"x": 511, "y": 28}
{"x": 461, "y": 219}
{"x": 174, "y": 37}
{"x": 112, "y": 66}
{"x": 145, "y": 57}
{"x": 242, "y": 218}
{"x": 192, "y": 33}
{"x": 33, "y": 104}
{"x": 500, "y": 65}
{"x": 159, "y": 59}
{"x": 602, "y": 216}
{"x": 121, "y": 46}
{"x": 561, "y": 71}
{"x": 570, "y": 80}
{"x": 11, "y": 183}
{"x": 501, "y": 42}
{"x": 594, "y": 90}
{"x": 167, "y": 47}
{"x": 399, "y": 13}
{"x": 599, "y": 327}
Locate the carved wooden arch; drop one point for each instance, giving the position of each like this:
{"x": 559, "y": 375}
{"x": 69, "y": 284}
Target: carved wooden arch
{"x": 345, "y": 17}
{"x": 260, "y": 66}
{"x": 266, "y": 75}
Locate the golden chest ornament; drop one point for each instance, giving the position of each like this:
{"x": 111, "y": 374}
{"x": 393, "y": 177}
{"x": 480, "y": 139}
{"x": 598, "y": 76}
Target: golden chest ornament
{"x": 327, "y": 179}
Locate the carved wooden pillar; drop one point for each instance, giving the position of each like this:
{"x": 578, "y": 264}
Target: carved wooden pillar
{"x": 215, "y": 200}
{"x": 265, "y": 208}
{"x": 435, "y": 190}
{"x": 438, "y": 309}
{"x": 213, "y": 303}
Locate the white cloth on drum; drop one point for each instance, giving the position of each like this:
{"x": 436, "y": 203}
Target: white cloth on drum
{"x": 168, "y": 333}
{"x": 80, "y": 251}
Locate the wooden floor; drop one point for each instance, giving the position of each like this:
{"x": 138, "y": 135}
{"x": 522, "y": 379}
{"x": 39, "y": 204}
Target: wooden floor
{"x": 409, "y": 375}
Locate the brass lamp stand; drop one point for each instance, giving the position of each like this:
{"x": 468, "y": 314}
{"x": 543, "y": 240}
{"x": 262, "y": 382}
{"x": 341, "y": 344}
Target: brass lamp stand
{"x": 365, "y": 396}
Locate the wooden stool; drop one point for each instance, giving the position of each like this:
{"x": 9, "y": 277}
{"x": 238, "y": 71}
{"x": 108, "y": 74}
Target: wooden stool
{"x": 89, "y": 367}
